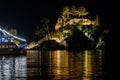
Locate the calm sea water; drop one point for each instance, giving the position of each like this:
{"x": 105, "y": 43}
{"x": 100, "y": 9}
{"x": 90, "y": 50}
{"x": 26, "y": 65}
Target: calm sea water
{"x": 53, "y": 65}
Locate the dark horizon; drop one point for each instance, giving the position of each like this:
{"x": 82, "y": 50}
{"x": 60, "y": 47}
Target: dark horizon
{"x": 26, "y": 15}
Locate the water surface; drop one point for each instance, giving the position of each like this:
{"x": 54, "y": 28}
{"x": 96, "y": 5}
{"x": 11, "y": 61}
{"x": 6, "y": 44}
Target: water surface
{"x": 53, "y": 65}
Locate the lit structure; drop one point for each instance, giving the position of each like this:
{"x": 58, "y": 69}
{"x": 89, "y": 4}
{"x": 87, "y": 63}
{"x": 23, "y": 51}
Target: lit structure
{"x": 6, "y": 33}
{"x": 7, "y": 40}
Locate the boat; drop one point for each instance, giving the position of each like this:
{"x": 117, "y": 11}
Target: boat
{"x": 8, "y": 43}
{"x": 9, "y": 47}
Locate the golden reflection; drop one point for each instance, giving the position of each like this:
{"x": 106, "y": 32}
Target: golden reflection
{"x": 59, "y": 63}
{"x": 87, "y": 63}
{"x": 33, "y": 62}
{"x": 88, "y": 78}
{"x": 65, "y": 65}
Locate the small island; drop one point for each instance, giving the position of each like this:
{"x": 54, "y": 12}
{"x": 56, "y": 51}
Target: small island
{"x": 73, "y": 31}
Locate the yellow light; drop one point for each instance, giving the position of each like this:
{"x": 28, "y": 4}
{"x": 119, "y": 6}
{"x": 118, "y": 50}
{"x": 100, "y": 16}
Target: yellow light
{"x": 86, "y": 34}
{"x": 56, "y": 39}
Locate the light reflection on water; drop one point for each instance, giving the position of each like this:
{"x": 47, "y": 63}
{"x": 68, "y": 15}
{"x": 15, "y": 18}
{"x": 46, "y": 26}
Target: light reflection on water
{"x": 13, "y": 67}
{"x": 53, "y": 65}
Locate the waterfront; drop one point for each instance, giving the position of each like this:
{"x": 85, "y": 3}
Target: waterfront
{"x": 53, "y": 65}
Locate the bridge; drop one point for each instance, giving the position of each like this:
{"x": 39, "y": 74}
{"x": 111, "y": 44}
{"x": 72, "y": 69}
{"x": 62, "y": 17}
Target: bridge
{"x": 6, "y": 36}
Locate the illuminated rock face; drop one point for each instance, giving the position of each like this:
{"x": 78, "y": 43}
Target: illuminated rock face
{"x": 51, "y": 45}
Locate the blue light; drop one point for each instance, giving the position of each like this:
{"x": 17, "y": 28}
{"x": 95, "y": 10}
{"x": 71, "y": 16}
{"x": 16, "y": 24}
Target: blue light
{"x": 7, "y": 33}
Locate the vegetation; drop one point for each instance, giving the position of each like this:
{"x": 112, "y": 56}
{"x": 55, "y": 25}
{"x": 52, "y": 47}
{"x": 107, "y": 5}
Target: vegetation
{"x": 43, "y": 30}
{"x": 76, "y": 35}
{"x": 71, "y": 12}
{"x": 14, "y": 32}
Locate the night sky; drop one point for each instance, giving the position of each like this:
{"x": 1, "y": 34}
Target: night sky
{"x": 25, "y": 15}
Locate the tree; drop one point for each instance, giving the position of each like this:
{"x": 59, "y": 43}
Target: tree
{"x": 13, "y": 31}
{"x": 45, "y": 22}
{"x": 40, "y": 31}
{"x": 65, "y": 14}
{"x": 60, "y": 21}
{"x": 44, "y": 29}
{"x": 73, "y": 11}
{"x": 81, "y": 11}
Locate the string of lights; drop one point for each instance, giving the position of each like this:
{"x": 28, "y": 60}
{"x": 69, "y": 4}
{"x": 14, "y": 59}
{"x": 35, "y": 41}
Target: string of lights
{"x": 6, "y": 32}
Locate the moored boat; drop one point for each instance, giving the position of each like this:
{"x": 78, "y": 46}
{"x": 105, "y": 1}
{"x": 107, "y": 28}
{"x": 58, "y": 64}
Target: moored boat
{"x": 9, "y": 48}
{"x": 10, "y": 43}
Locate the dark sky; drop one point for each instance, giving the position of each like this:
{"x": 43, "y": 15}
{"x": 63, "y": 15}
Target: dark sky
{"x": 25, "y": 15}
